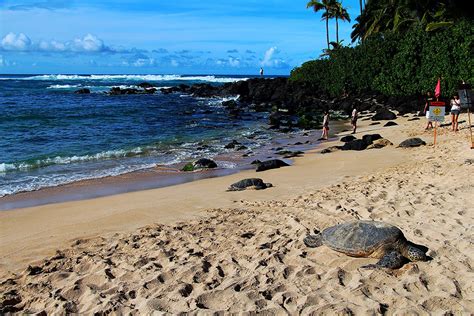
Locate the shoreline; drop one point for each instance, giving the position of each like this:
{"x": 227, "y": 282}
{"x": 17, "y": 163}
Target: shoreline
{"x": 65, "y": 221}
{"x": 211, "y": 250}
{"x": 161, "y": 176}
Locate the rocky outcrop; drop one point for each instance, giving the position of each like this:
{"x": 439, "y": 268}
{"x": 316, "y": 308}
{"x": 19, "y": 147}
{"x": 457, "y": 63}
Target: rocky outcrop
{"x": 120, "y": 91}
{"x": 82, "y": 91}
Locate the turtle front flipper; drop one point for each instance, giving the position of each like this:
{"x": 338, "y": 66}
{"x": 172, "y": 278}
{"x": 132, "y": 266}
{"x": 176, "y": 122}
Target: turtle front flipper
{"x": 391, "y": 260}
{"x": 313, "y": 241}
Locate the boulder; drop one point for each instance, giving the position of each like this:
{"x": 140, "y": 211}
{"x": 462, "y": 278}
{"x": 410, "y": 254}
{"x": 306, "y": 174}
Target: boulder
{"x": 118, "y": 91}
{"x": 380, "y": 143}
{"x": 384, "y": 114}
{"x": 270, "y": 164}
{"x": 82, "y": 91}
{"x": 374, "y": 123}
{"x": 412, "y": 142}
{"x": 370, "y": 138}
{"x": 202, "y": 163}
{"x": 390, "y": 123}
{"x": 347, "y": 138}
{"x": 414, "y": 119}
{"x": 356, "y": 144}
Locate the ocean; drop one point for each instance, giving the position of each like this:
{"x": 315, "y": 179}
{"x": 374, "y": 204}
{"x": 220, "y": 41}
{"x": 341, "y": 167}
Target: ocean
{"x": 50, "y": 136}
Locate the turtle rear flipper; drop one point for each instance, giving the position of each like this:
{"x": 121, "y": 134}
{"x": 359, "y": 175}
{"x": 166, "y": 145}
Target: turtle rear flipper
{"x": 313, "y": 241}
{"x": 391, "y": 260}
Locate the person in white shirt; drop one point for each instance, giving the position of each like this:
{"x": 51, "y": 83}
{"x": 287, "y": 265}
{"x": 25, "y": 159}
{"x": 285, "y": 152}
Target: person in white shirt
{"x": 455, "y": 110}
{"x": 354, "y": 117}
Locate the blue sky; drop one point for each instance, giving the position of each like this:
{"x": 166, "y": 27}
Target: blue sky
{"x": 162, "y": 36}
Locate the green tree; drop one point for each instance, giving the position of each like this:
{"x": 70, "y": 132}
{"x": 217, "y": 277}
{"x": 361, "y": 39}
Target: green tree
{"x": 327, "y": 6}
{"x": 339, "y": 13}
{"x": 400, "y": 16}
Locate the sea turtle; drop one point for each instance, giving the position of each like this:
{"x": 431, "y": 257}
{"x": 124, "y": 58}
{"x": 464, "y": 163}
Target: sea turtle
{"x": 412, "y": 142}
{"x": 370, "y": 239}
{"x": 255, "y": 183}
{"x": 270, "y": 164}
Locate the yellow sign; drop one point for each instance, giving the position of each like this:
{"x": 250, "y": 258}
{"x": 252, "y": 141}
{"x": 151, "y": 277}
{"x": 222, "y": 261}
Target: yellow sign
{"x": 436, "y": 113}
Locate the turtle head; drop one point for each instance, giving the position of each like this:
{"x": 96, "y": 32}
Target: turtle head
{"x": 415, "y": 254}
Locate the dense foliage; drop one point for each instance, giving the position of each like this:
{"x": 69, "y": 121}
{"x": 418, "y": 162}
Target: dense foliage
{"x": 399, "y": 16}
{"x": 397, "y": 63}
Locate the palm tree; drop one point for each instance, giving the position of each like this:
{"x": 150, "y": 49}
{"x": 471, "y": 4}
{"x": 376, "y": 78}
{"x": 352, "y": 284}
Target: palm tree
{"x": 339, "y": 13}
{"x": 398, "y": 16}
{"x": 326, "y": 5}
{"x": 335, "y": 46}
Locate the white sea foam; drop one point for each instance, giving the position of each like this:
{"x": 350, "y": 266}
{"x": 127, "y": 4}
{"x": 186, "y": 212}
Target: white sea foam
{"x": 135, "y": 78}
{"x": 63, "y": 86}
{"x": 37, "y": 183}
{"x": 59, "y": 160}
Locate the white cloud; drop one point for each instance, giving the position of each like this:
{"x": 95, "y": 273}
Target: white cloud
{"x": 1, "y": 60}
{"x": 234, "y": 62}
{"x": 52, "y": 46}
{"x": 267, "y": 58}
{"x": 88, "y": 43}
{"x": 12, "y": 41}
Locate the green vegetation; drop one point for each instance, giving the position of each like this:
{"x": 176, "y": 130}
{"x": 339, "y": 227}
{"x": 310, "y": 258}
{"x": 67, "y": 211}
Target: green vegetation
{"x": 188, "y": 167}
{"x": 405, "y": 47}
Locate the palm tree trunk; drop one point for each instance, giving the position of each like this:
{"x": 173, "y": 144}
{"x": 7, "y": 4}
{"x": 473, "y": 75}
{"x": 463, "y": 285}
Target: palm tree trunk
{"x": 360, "y": 2}
{"x": 337, "y": 31}
{"x": 327, "y": 27}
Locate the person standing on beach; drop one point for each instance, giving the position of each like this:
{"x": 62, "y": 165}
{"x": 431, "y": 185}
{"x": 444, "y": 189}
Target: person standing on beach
{"x": 325, "y": 126}
{"x": 426, "y": 110}
{"x": 261, "y": 72}
{"x": 455, "y": 110}
{"x": 354, "y": 117}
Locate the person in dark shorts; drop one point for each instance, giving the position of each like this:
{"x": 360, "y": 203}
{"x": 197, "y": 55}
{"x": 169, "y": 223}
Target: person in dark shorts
{"x": 426, "y": 110}
{"x": 455, "y": 110}
{"x": 325, "y": 126}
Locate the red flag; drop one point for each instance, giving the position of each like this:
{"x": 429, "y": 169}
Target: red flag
{"x": 438, "y": 89}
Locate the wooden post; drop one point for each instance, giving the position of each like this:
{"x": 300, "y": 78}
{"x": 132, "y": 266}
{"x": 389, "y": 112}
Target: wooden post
{"x": 470, "y": 127}
{"x": 436, "y": 125}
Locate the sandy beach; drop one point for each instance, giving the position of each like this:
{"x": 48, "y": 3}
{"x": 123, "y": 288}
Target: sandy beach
{"x": 195, "y": 248}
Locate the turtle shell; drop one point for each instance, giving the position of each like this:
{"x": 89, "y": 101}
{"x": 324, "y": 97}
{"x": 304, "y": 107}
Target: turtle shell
{"x": 242, "y": 184}
{"x": 363, "y": 238}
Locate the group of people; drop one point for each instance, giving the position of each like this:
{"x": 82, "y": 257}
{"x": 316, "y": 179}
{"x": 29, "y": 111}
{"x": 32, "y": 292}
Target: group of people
{"x": 354, "y": 117}
{"x": 455, "y": 111}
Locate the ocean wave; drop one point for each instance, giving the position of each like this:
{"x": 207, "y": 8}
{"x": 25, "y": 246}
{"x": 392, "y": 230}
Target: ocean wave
{"x": 36, "y": 183}
{"x": 135, "y": 78}
{"x": 60, "y": 160}
{"x": 63, "y": 86}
